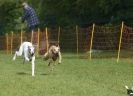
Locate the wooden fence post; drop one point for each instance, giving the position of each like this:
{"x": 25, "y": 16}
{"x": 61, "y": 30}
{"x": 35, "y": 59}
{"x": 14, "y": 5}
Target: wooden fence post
{"x": 118, "y": 55}
{"x": 59, "y": 35}
{"x": 38, "y": 42}
{"x": 7, "y": 43}
{"x": 77, "y": 36}
{"x": 21, "y": 38}
{"x": 47, "y": 42}
{"x": 11, "y": 42}
{"x": 32, "y": 36}
{"x": 91, "y": 45}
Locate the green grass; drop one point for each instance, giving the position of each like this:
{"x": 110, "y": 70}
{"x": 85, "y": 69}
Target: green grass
{"x": 74, "y": 77}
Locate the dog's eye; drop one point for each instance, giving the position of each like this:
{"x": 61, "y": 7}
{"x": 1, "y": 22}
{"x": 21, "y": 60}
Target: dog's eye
{"x": 54, "y": 50}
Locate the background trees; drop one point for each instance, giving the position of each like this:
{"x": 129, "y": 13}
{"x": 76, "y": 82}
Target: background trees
{"x": 67, "y": 12}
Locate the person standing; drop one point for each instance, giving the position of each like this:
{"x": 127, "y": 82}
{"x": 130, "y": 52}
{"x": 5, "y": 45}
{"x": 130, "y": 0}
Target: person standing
{"x": 30, "y": 17}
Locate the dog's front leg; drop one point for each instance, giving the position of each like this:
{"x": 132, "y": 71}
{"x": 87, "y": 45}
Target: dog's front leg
{"x": 26, "y": 56}
{"x": 46, "y": 56}
{"x": 33, "y": 66}
{"x": 50, "y": 61}
{"x": 18, "y": 53}
{"x": 51, "y": 65}
{"x": 60, "y": 57}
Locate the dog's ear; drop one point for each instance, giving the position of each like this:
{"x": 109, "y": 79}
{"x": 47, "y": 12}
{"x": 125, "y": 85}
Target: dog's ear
{"x": 35, "y": 47}
{"x": 28, "y": 47}
{"x": 59, "y": 47}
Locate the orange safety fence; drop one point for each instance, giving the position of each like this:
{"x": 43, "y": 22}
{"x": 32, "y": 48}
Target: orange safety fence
{"x": 74, "y": 39}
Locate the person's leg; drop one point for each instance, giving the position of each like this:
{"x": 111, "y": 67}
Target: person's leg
{"x": 33, "y": 28}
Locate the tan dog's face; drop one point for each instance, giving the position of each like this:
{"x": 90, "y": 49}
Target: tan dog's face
{"x": 55, "y": 49}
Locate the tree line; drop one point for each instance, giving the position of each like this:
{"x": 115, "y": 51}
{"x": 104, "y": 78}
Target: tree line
{"x": 67, "y": 13}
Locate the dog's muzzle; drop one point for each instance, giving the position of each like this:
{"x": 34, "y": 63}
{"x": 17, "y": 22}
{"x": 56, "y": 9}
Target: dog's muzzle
{"x": 32, "y": 54}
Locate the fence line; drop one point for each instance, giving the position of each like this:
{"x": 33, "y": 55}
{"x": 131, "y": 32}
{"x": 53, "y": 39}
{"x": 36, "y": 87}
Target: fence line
{"x": 76, "y": 40}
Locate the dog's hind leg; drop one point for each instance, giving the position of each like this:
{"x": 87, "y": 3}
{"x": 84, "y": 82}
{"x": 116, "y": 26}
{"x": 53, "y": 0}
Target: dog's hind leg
{"x": 51, "y": 65}
{"x": 26, "y": 55}
{"x": 14, "y": 57}
{"x": 18, "y": 53}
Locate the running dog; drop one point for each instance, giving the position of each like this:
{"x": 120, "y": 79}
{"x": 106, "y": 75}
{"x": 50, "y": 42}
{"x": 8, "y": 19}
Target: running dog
{"x": 28, "y": 50}
{"x": 52, "y": 55}
{"x": 129, "y": 90}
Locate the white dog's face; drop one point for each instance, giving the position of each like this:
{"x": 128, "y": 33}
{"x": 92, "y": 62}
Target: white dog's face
{"x": 31, "y": 50}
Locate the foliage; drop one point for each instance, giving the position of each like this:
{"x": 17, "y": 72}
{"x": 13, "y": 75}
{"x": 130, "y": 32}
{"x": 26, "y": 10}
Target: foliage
{"x": 67, "y": 12}
{"x": 9, "y": 13}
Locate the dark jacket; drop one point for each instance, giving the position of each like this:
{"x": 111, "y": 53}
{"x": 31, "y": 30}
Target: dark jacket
{"x": 30, "y": 16}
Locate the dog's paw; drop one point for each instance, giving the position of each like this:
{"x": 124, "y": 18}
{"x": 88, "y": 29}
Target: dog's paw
{"x": 59, "y": 62}
{"x": 30, "y": 60}
{"x": 13, "y": 59}
{"x": 126, "y": 87}
{"x": 49, "y": 64}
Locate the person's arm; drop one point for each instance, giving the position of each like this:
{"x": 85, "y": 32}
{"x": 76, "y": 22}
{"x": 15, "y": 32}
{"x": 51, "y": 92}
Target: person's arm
{"x": 25, "y": 16}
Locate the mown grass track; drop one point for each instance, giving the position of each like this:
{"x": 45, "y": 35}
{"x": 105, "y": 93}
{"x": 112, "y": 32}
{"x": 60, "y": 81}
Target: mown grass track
{"x": 74, "y": 77}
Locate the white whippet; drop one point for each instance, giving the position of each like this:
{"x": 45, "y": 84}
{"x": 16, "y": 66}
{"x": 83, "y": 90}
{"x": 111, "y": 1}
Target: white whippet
{"x": 28, "y": 50}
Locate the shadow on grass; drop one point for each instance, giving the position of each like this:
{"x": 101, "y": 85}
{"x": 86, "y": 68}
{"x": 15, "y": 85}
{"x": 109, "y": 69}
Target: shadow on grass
{"x": 44, "y": 74}
{"x": 22, "y": 73}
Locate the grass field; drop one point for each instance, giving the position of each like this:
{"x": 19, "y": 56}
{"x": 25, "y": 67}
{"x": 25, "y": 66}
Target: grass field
{"x": 74, "y": 77}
